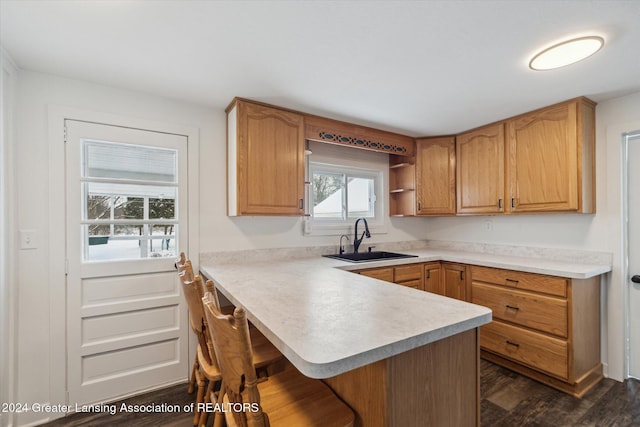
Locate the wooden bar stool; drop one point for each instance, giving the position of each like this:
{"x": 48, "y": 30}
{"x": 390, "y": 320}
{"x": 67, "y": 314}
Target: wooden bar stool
{"x": 284, "y": 399}
{"x": 205, "y": 366}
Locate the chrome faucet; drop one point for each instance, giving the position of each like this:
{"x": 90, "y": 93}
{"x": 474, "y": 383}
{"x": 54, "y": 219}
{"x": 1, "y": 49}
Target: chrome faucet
{"x": 356, "y": 241}
{"x": 341, "y": 250}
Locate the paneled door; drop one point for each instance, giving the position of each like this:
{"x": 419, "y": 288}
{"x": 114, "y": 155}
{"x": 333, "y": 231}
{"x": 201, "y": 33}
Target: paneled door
{"x": 633, "y": 239}
{"x": 126, "y": 199}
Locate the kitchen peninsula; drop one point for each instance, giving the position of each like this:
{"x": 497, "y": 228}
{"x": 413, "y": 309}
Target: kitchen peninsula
{"x": 396, "y": 355}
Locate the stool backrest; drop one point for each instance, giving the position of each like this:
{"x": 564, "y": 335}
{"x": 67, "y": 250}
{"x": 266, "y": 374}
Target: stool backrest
{"x": 232, "y": 344}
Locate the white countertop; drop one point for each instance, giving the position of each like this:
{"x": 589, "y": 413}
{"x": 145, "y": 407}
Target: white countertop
{"x": 571, "y": 270}
{"x": 328, "y": 321}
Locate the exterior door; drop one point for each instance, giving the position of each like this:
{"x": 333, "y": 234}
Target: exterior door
{"x": 126, "y": 199}
{"x": 633, "y": 238}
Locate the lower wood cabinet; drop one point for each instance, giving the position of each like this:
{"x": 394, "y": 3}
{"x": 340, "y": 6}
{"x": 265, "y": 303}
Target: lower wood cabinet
{"x": 410, "y": 275}
{"x": 454, "y": 278}
{"x": 444, "y": 278}
{"x": 545, "y": 327}
{"x": 383, "y": 273}
{"x": 433, "y": 280}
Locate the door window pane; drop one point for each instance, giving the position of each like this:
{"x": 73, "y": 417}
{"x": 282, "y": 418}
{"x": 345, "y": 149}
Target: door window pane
{"x": 162, "y": 208}
{"x": 128, "y": 208}
{"x": 98, "y": 207}
{"x": 127, "y": 190}
{"x": 126, "y": 161}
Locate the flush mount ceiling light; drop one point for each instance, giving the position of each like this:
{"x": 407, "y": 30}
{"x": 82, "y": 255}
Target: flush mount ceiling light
{"x": 566, "y": 53}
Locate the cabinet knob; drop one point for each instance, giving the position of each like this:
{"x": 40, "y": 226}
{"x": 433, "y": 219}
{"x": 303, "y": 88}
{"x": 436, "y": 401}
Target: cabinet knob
{"x": 636, "y": 279}
{"x": 499, "y": 203}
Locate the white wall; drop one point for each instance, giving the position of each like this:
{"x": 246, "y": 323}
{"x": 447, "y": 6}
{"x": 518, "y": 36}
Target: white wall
{"x": 598, "y": 232}
{"x": 7, "y": 257}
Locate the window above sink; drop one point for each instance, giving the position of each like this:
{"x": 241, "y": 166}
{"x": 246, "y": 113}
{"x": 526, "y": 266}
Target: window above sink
{"x": 344, "y": 184}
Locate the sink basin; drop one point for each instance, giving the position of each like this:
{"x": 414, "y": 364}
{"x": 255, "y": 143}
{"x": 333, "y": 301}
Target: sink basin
{"x": 369, "y": 256}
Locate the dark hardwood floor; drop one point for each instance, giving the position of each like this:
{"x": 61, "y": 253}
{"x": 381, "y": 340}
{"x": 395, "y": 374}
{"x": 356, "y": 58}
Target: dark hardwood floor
{"x": 508, "y": 400}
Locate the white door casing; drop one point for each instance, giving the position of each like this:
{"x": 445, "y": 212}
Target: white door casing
{"x": 126, "y": 319}
{"x": 632, "y": 166}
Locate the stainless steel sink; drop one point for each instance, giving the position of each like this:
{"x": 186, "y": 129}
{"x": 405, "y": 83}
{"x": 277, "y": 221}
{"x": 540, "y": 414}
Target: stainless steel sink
{"x": 369, "y": 256}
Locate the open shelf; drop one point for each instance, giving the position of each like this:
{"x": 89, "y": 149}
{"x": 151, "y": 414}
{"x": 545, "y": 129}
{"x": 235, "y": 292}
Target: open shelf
{"x": 402, "y": 182}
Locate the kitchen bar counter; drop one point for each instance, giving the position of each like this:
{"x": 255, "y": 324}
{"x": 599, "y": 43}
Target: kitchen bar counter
{"x": 327, "y": 321}
{"x": 397, "y": 356}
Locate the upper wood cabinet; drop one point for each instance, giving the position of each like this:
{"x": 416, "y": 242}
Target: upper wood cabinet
{"x": 436, "y": 176}
{"x": 551, "y": 159}
{"x": 265, "y": 157}
{"x": 542, "y": 161}
{"x": 480, "y": 170}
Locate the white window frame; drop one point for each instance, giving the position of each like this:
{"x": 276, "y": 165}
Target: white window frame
{"x": 332, "y": 226}
{"x": 146, "y": 223}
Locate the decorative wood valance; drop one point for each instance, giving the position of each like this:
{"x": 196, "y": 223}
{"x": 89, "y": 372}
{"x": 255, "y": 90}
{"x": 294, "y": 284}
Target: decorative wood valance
{"x": 336, "y": 132}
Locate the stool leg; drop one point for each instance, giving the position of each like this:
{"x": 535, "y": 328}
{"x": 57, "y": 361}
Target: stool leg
{"x": 199, "y": 397}
{"x": 192, "y": 380}
{"x": 207, "y": 399}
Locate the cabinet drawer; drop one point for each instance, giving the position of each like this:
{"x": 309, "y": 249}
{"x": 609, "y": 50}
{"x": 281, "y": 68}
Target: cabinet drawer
{"x": 405, "y": 273}
{"x": 379, "y": 273}
{"x": 515, "y": 279}
{"x": 416, "y": 284}
{"x": 535, "y": 311}
{"x": 533, "y": 349}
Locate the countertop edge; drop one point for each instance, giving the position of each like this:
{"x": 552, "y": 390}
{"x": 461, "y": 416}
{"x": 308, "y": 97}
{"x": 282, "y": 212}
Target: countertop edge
{"x": 328, "y": 370}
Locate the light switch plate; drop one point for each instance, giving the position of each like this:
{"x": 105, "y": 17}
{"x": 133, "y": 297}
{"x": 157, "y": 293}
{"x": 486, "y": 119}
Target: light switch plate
{"x": 28, "y": 239}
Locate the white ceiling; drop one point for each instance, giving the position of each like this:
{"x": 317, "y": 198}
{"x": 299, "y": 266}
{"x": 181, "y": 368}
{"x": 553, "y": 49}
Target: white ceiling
{"x": 416, "y": 67}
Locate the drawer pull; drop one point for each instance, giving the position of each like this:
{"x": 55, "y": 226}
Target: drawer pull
{"x": 513, "y": 344}
{"x": 512, "y": 307}
{"x": 511, "y": 280}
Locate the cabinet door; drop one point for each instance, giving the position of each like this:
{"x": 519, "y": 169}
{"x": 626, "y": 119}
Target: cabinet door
{"x": 454, "y": 281}
{"x": 433, "y": 278}
{"x": 270, "y": 157}
{"x": 480, "y": 170}
{"x": 543, "y": 160}
{"x": 436, "y": 176}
